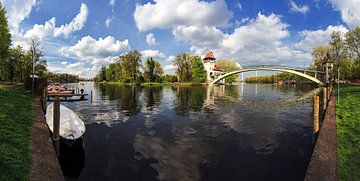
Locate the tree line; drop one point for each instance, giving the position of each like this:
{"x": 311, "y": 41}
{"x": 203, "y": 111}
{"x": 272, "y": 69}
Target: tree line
{"x": 129, "y": 69}
{"x": 343, "y": 51}
{"x": 16, "y": 64}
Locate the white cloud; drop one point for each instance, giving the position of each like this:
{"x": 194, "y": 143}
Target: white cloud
{"x": 49, "y": 27}
{"x": 156, "y": 54}
{"x": 170, "y": 67}
{"x": 89, "y": 48}
{"x": 108, "y": 21}
{"x": 318, "y": 37}
{"x": 349, "y": 10}
{"x": 239, "y": 6}
{"x": 170, "y": 13}
{"x": 64, "y": 62}
{"x": 42, "y": 31}
{"x": 150, "y": 39}
{"x": 259, "y": 41}
{"x": 17, "y": 11}
{"x": 76, "y": 65}
{"x": 199, "y": 35}
{"x": 76, "y": 24}
{"x": 298, "y": 8}
{"x": 112, "y": 3}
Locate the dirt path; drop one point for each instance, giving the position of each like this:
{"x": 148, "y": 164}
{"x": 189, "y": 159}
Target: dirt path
{"x": 323, "y": 164}
{"x": 45, "y": 165}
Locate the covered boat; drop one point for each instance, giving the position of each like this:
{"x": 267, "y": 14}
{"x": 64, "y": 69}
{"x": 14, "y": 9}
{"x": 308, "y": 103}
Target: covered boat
{"x": 71, "y": 126}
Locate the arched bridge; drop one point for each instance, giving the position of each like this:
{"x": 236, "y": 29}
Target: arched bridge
{"x": 296, "y": 71}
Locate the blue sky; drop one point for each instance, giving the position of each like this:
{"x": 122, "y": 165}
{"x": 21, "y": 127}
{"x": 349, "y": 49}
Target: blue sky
{"x": 79, "y": 37}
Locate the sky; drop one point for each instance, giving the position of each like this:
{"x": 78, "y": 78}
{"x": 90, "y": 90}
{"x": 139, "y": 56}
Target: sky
{"x": 80, "y": 36}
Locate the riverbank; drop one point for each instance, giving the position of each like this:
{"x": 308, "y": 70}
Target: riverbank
{"x": 15, "y": 133}
{"x": 348, "y": 132}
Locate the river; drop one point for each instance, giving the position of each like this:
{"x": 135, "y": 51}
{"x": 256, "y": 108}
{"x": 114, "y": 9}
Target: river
{"x": 239, "y": 132}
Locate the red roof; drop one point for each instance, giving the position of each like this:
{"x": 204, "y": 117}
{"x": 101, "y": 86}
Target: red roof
{"x": 217, "y": 68}
{"x": 209, "y": 55}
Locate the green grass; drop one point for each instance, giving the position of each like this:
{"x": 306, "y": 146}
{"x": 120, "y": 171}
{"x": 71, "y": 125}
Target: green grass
{"x": 15, "y": 133}
{"x": 348, "y": 132}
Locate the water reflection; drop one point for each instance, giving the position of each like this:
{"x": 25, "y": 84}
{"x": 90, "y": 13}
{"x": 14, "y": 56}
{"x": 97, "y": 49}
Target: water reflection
{"x": 72, "y": 158}
{"x": 240, "y": 132}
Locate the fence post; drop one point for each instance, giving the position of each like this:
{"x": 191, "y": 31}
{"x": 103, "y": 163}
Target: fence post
{"x": 56, "y": 124}
{"x": 316, "y": 115}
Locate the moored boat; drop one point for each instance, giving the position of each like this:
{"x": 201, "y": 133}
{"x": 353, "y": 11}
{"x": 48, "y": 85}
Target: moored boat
{"x": 71, "y": 126}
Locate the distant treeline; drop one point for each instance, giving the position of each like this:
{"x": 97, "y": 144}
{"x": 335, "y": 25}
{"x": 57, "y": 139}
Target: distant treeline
{"x": 63, "y": 78}
{"x": 189, "y": 68}
{"x": 280, "y": 77}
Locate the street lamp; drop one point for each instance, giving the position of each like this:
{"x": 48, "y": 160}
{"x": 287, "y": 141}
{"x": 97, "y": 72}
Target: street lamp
{"x": 33, "y": 70}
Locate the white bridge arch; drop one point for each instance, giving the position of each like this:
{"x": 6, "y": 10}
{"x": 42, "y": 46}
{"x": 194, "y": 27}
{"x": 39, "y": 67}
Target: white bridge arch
{"x": 288, "y": 70}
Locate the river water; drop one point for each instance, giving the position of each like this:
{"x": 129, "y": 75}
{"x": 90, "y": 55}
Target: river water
{"x": 240, "y": 132}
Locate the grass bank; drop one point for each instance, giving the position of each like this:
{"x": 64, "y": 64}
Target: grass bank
{"x": 348, "y": 132}
{"x": 15, "y": 133}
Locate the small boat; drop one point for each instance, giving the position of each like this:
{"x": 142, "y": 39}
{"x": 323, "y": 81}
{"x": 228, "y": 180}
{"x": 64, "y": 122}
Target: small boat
{"x": 71, "y": 126}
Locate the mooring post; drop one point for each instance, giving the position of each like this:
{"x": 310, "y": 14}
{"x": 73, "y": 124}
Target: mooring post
{"x": 316, "y": 115}
{"x": 325, "y": 98}
{"x": 56, "y": 124}
{"x": 91, "y": 96}
{"x": 82, "y": 94}
{"x": 43, "y": 103}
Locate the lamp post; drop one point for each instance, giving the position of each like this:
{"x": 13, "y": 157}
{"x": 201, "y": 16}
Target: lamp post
{"x": 33, "y": 70}
{"x": 338, "y": 66}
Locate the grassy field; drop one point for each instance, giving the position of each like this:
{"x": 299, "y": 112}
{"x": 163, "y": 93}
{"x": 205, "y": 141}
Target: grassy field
{"x": 348, "y": 132}
{"x": 15, "y": 131}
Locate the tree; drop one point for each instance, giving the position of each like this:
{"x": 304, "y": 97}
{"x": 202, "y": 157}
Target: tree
{"x": 132, "y": 63}
{"x": 36, "y": 54}
{"x": 229, "y": 65}
{"x": 318, "y": 54}
{"x": 5, "y": 40}
{"x": 118, "y": 71}
{"x": 15, "y": 57}
{"x": 183, "y": 63}
{"x": 198, "y": 72}
{"x": 352, "y": 40}
{"x": 153, "y": 70}
{"x": 110, "y": 72}
{"x": 149, "y": 70}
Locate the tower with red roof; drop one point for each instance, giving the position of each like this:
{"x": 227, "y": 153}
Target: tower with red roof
{"x": 212, "y": 70}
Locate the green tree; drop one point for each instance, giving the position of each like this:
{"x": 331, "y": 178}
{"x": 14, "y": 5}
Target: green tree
{"x": 110, "y": 72}
{"x": 5, "y": 40}
{"x": 183, "y": 63}
{"x": 153, "y": 70}
{"x": 131, "y": 65}
{"x": 229, "y": 65}
{"x": 198, "y": 72}
{"x": 352, "y": 40}
{"x": 118, "y": 71}
{"x": 318, "y": 55}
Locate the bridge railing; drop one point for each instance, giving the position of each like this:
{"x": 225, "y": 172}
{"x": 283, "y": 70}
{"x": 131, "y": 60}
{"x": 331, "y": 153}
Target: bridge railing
{"x": 278, "y": 67}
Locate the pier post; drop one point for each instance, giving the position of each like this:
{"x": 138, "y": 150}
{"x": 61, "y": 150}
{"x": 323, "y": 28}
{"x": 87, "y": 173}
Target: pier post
{"x": 56, "y": 124}
{"x": 325, "y": 98}
{"x": 316, "y": 115}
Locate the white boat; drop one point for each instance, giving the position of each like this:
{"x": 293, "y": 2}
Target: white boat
{"x": 71, "y": 126}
